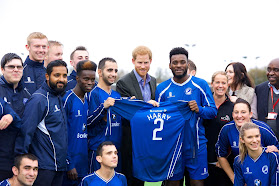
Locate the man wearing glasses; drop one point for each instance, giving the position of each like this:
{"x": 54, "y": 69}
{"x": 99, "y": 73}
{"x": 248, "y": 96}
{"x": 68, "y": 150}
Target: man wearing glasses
{"x": 13, "y": 92}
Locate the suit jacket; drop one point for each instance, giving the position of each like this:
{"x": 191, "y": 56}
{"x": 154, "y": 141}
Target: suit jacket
{"x": 262, "y": 92}
{"x": 128, "y": 86}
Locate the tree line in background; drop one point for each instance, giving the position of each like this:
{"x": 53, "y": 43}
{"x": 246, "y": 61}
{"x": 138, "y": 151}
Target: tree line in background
{"x": 257, "y": 75}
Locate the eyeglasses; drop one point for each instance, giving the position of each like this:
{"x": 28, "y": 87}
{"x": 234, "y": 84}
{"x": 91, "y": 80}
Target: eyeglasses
{"x": 12, "y": 67}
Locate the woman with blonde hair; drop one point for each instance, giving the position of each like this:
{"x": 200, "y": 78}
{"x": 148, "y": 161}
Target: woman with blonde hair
{"x": 228, "y": 138}
{"x": 219, "y": 84}
{"x": 253, "y": 165}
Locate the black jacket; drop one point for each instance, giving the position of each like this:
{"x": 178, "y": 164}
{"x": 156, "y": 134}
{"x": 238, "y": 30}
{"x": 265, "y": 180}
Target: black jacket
{"x": 213, "y": 127}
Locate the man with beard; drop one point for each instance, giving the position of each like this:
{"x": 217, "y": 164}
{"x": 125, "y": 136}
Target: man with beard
{"x": 140, "y": 84}
{"x": 200, "y": 100}
{"x": 76, "y": 107}
{"x": 267, "y": 97}
{"x": 44, "y": 128}
{"x": 102, "y": 124}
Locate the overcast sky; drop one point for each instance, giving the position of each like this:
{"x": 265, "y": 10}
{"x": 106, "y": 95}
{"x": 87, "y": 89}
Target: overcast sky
{"x": 221, "y": 30}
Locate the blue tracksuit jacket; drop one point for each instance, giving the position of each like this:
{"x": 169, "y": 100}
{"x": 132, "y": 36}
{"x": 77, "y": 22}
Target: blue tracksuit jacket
{"x": 71, "y": 80}
{"x": 33, "y": 75}
{"x": 44, "y": 129}
{"x": 8, "y": 136}
{"x": 17, "y": 97}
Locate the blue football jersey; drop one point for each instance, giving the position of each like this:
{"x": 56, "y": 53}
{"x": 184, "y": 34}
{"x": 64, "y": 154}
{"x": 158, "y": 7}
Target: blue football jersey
{"x": 157, "y": 136}
{"x": 260, "y": 172}
{"x": 76, "y": 110}
{"x": 95, "y": 180}
{"x": 100, "y": 130}
{"x": 5, "y": 183}
{"x": 192, "y": 89}
{"x": 228, "y": 139}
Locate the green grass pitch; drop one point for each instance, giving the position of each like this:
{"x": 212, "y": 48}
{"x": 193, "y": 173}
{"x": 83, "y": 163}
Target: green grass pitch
{"x": 153, "y": 183}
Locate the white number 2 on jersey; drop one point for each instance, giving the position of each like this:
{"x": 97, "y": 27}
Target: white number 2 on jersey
{"x": 158, "y": 129}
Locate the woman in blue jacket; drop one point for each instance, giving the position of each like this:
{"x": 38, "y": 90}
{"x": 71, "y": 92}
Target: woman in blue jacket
{"x": 228, "y": 138}
{"x": 254, "y": 166}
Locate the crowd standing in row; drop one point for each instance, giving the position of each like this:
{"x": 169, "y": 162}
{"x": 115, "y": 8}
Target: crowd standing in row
{"x": 71, "y": 130}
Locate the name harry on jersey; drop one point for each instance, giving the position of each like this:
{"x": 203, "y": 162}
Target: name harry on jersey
{"x": 154, "y": 116}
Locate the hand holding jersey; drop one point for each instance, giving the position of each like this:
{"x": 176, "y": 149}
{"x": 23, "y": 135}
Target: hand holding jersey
{"x": 197, "y": 92}
{"x": 193, "y": 106}
{"x": 154, "y": 103}
{"x": 157, "y": 156}
{"x": 109, "y": 102}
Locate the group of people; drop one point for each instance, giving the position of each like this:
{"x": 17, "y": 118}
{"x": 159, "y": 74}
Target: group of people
{"x": 73, "y": 130}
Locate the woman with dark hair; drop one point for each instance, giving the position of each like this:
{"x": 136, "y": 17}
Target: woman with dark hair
{"x": 254, "y": 166}
{"x": 228, "y": 138}
{"x": 240, "y": 85}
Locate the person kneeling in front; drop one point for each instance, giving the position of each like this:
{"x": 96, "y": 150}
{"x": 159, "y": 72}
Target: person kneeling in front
{"x": 25, "y": 171}
{"x": 108, "y": 159}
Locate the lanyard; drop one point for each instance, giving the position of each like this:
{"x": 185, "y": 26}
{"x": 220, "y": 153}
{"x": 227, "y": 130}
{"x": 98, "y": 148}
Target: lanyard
{"x": 273, "y": 105}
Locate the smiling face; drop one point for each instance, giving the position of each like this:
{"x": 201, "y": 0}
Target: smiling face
{"x": 241, "y": 114}
{"x": 57, "y": 79}
{"x": 86, "y": 80}
{"x": 78, "y": 56}
{"x": 109, "y": 73}
{"x": 179, "y": 66}
{"x": 55, "y": 52}
{"x": 27, "y": 172}
{"x": 273, "y": 73}
{"x": 142, "y": 64}
{"x": 37, "y": 49}
{"x": 252, "y": 139}
{"x": 220, "y": 85}
{"x": 230, "y": 74}
{"x": 13, "y": 71}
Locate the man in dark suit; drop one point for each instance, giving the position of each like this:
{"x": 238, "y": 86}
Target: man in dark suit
{"x": 140, "y": 84}
{"x": 267, "y": 96}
